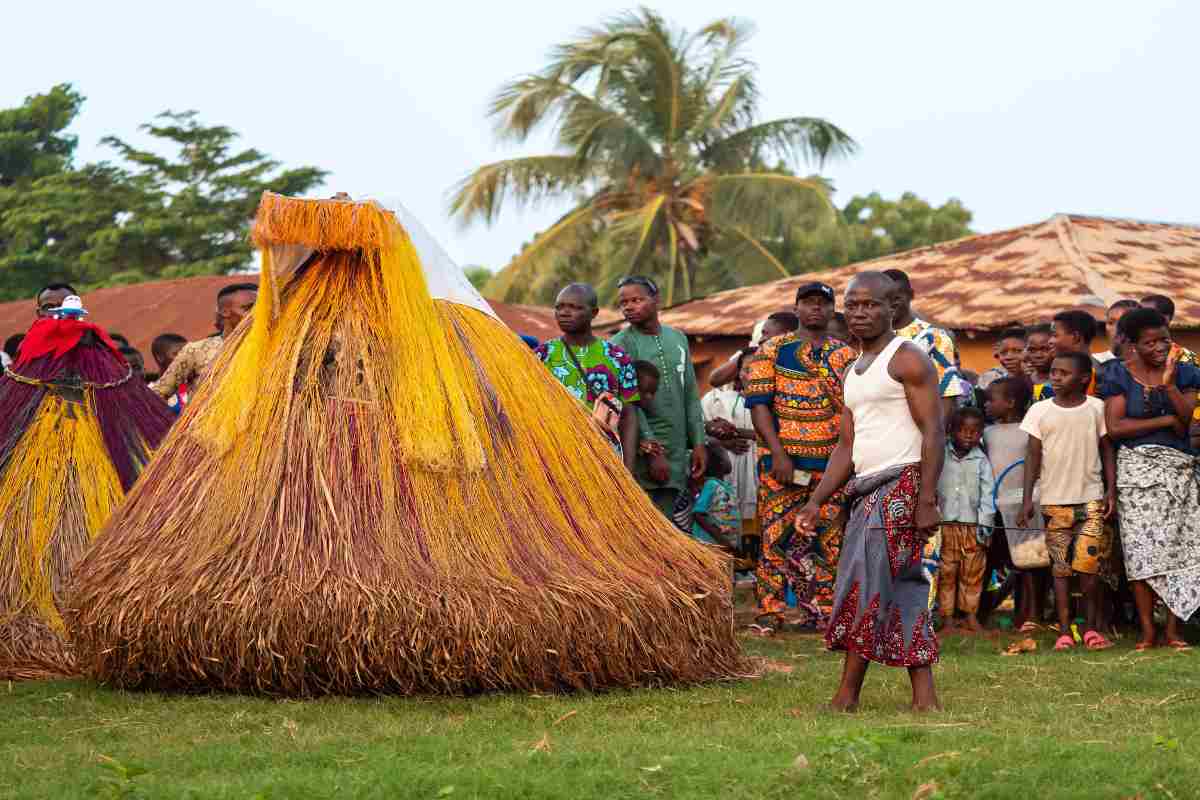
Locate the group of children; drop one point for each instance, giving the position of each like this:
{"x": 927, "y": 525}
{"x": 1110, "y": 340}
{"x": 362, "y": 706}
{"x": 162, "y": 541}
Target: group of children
{"x": 1035, "y": 462}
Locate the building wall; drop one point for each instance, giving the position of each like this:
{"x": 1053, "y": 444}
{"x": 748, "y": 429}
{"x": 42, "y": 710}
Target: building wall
{"x": 975, "y": 351}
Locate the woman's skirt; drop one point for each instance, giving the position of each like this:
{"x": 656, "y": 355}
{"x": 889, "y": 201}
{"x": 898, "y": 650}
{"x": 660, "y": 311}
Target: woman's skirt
{"x": 1158, "y": 499}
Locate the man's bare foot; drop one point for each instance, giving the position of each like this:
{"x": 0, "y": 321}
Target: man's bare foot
{"x": 843, "y": 705}
{"x": 929, "y": 707}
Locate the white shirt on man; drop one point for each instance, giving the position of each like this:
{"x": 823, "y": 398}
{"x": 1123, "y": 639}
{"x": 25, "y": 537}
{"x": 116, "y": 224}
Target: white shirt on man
{"x": 885, "y": 434}
{"x": 1071, "y": 471}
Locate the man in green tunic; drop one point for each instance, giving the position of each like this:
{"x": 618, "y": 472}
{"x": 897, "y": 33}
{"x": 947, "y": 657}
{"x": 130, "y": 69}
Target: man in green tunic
{"x": 676, "y": 420}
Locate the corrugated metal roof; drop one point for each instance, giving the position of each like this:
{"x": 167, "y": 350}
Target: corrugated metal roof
{"x": 187, "y": 306}
{"x": 987, "y": 282}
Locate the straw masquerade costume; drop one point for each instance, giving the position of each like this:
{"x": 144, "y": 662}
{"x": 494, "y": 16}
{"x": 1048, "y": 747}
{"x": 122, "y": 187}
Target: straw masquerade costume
{"x": 76, "y": 428}
{"x": 375, "y": 491}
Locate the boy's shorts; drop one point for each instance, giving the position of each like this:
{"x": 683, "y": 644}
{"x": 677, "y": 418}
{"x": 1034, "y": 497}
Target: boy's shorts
{"x": 1077, "y": 538}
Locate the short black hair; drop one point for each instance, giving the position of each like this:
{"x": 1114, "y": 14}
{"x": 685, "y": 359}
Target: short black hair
{"x": 585, "y": 289}
{"x": 1080, "y": 323}
{"x": 1042, "y": 329}
{"x": 1017, "y": 389}
{"x": 132, "y": 351}
{"x": 1083, "y": 361}
{"x": 119, "y": 338}
{"x": 1011, "y": 333}
{"x": 644, "y": 369}
{"x": 55, "y": 287}
{"x": 234, "y": 288}
{"x": 639, "y": 280}
{"x": 164, "y": 340}
{"x": 900, "y": 278}
{"x": 964, "y": 413}
{"x": 12, "y": 344}
{"x": 718, "y": 457}
{"x": 1160, "y": 303}
{"x": 788, "y": 320}
{"x": 1138, "y": 321}
{"x": 1125, "y": 303}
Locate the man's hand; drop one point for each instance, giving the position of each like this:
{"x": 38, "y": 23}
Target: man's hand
{"x": 699, "y": 460}
{"x": 659, "y": 468}
{"x": 720, "y": 428}
{"x": 1110, "y": 502}
{"x": 928, "y": 515}
{"x": 737, "y": 445}
{"x": 1025, "y": 514}
{"x": 806, "y": 520}
{"x": 782, "y": 469}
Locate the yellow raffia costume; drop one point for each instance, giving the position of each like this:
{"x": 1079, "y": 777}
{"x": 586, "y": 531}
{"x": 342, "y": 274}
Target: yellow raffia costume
{"x": 76, "y": 428}
{"x": 376, "y": 491}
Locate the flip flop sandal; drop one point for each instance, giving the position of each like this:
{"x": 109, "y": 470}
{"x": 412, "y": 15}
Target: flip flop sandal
{"x": 1142, "y": 647}
{"x": 1093, "y": 640}
{"x": 762, "y": 631}
{"x": 1064, "y": 642}
{"x": 1029, "y": 627}
{"x": 1178, "y": 644}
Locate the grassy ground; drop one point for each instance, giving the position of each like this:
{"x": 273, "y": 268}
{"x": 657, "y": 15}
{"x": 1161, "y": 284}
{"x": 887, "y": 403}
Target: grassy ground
{"x": 1041, "y": 725}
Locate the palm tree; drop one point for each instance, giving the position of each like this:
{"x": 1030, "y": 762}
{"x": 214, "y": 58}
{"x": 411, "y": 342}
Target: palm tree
{"x": 660, "y": 148}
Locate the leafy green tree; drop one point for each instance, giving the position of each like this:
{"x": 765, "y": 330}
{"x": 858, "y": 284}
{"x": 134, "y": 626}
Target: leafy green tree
{"x": 153, "y": 216}
{"x": 871, "y": 227}
{"x": 660, "y": 149}
{"x": 197, "y": 206}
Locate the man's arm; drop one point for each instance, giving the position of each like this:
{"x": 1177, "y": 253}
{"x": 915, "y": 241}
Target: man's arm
{"x": 764, "y": 426}
{"x": 912, "y": 369}
{"x": 180, "y": 372}
{"x": 627, "y": 430}
{"x": 837, "y": 472}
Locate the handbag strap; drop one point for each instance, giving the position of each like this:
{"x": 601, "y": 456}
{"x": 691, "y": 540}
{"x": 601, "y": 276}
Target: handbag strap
{"x": 587, "y": 389}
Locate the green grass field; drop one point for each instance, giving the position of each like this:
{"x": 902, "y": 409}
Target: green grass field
{"x": 1041, "y": 725}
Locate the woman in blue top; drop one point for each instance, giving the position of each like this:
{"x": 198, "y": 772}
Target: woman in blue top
{"x": 1149, "y": 399}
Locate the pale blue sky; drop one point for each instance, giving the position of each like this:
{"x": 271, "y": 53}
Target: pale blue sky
{"x": 1020, "y": 109}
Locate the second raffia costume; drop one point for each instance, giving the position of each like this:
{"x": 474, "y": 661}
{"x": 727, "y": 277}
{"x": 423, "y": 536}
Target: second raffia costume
{"x": 76, "y": 429}
{"x": 375, "y": 491}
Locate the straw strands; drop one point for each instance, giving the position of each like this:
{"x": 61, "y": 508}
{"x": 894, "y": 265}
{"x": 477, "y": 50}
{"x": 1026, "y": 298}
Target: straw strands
{"x": 69, "y": 452}
{"x": 378, "y": 492}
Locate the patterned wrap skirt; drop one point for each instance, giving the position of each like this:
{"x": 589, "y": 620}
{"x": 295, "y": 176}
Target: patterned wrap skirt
{"x": 1158, "y": 500}
{"x": 881, "y": 599}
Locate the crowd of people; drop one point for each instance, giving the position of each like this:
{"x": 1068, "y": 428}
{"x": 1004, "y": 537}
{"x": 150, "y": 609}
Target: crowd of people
{"x": 868, "y": 485}
{"x": 1064, "y": 472}
{"x": 180, "y": 364}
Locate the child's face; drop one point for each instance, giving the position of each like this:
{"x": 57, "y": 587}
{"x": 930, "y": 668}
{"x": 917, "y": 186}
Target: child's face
{"x": 1065, "y": 341}
{"x": 998, "y": 404}
{"x": 1009, "y": 353}
{"x": 968, "y": 434}
{"x": 1067, "y": 378}
{"x": 772, "y": 329}
{"x": 647, "y": 389}
{"x": 1039, "y": 351}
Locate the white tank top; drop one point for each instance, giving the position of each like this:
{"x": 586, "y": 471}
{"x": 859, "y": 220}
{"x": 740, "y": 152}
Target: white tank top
{"x": 885, "y": 434}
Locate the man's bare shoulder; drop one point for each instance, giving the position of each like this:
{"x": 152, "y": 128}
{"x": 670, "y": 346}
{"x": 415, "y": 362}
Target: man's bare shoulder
{"x": 910, "y": 363}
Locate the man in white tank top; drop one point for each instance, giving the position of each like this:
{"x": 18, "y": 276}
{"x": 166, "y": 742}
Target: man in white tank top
{"x": 892, "y": 442}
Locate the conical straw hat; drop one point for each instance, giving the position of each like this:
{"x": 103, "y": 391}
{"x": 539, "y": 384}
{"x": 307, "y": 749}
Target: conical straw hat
{"x": 379, "y": 491}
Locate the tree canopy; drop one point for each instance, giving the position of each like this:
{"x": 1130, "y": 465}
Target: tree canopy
{"x": 178, "y": 208}
{"x": 660, "y": 149}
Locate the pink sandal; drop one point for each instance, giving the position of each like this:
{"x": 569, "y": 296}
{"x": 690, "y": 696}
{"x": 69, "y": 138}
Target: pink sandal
{"x": 1094, "y": 640}
{"x": 1064, "y": 642}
